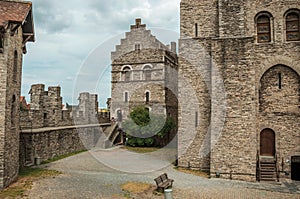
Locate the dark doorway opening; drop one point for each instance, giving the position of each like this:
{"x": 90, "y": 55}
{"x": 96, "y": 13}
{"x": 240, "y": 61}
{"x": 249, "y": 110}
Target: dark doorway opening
{"x": 295, "y": 168}
{"x": 119, "y": 115}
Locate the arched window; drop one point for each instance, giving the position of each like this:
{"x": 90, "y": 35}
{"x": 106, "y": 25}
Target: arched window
{"x": 15, "y": 66}
{"x": 147, "y": 72}
{"x": 147, "y": 97}
{"x": 292, "y": 26}
{"x": 263, "y": 23}
{"x": 126, "y": 73}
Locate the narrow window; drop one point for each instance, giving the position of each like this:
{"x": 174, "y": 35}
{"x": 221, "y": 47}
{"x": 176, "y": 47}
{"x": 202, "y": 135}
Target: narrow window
{"x": 196, "y": 119}
{"x": 263, "y": 29}
{"x": 15, "y": 66}
{"x": 196, "y": 30}
{"x": 147, "y": 97}
{"x": 13, "y": 110}
{"x": 126, "y": 74}
{"x": 137, "y": 47}
{"x": 279, "y": 81}
{"x": 126, "y": 97}
{"x": 119, "y": 115}
{"x": 1, "y": 43}
{"x": 147, "y": 73}
{"x": 292, "y": 27}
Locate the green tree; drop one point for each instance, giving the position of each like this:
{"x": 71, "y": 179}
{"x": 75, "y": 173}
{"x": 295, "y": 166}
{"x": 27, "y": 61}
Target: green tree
{"x": 142, "y": 126}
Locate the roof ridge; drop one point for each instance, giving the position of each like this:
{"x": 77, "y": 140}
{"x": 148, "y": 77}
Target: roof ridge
{"x": 18, "y": 1}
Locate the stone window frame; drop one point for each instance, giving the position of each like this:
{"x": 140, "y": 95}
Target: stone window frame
{"x": 126, "y": 96}
{"x": 147, "y": 72}
{"x": 126, "y": 73}
{"x": 137, "y": 46}
{"x": 285, "y": 31}
{"x": 148, "y": 108}
{"x": 271, "y": 27}
{"x": 147, "y": 96}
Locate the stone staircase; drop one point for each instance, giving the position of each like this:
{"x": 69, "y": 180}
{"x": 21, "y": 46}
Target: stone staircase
{"x": 268, "y": 169}
{"x": 108, "y": 137}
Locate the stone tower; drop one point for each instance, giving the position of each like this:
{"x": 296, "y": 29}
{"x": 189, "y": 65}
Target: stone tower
{"x": 144, "y": 73}
{"x": 87, "y": 108}
{"x": 46, "y": 104}
{"x": 16, "y": 28}
{"x": 239, "y": 87}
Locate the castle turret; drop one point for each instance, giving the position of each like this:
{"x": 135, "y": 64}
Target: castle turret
{"x": 37, "y": 96}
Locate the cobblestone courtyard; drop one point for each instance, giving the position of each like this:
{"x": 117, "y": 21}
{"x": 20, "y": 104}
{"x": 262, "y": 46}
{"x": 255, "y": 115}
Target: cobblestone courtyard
{"x": 89, "y": 175}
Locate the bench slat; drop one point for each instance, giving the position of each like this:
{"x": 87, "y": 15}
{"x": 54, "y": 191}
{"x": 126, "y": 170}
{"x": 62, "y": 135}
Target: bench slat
{"x": 163, "y": 182}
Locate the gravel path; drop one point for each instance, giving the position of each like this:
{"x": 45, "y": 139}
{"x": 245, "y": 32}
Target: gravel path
{"x": 100, "y": 174}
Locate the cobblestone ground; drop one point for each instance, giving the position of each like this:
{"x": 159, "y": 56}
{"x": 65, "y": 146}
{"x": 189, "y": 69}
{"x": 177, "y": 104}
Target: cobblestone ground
{"x": 87, "y": 176}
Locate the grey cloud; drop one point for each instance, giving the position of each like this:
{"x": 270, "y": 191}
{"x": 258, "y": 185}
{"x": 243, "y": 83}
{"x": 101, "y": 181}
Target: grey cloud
{"x": 68, "y": 30}
{"x": 50, "y": 16}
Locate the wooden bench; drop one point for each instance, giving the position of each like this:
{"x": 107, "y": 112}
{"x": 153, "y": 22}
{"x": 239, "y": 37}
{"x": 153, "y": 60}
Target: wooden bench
{"x": 163, "y": 182}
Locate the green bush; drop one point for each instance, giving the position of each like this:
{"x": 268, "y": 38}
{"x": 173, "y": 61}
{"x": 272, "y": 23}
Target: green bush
{"x": 142, "y": 126}
{"x": 149, "y": 142}
{"x": 132, "y": 141}
{"x": 140, "y": 142}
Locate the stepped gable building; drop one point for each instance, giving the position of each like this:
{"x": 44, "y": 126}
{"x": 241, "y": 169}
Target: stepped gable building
{"x": 16, "y": 29}
{"x": 240, "y": 88}
{"x": 144, "y": 73}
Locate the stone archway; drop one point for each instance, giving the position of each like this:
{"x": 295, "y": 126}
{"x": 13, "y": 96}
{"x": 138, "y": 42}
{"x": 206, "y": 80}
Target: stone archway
{"x": 267, "y": 142}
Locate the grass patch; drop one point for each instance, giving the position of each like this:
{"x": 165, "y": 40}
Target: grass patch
{"x": 136, "y": 187}
{"x": 37, "y": 172}
{"x": 26, "y": 177}
{"x": 141, "y": 149}
{"x": 193, "y": 172}
{"x": 62, "y": 157}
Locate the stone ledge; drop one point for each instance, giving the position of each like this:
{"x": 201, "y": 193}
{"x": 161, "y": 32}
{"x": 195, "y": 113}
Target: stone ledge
{"x": 62, "y": 128}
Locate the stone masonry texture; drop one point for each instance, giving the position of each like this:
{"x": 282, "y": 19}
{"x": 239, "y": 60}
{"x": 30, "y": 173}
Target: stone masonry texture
{"x": 229, "y": 88}
{"x": 141, "y": 66}
{"x": 12, "y": 47}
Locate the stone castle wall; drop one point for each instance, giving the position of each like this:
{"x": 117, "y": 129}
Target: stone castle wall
{"x": 249, "y": 72}
{"x": 46, "y": 109}
{"x": 47, "y": 143}
{"x": 10, "y": 77}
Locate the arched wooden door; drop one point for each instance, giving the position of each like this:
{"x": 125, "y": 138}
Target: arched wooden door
{"x": 267, "y": 143}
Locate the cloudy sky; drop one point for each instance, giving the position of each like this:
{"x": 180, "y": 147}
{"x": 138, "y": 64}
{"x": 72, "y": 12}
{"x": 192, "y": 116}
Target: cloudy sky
{"x": 74, "y": 39}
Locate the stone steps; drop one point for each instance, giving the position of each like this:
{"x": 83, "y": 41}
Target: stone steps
{"x": 267, "y": 171}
